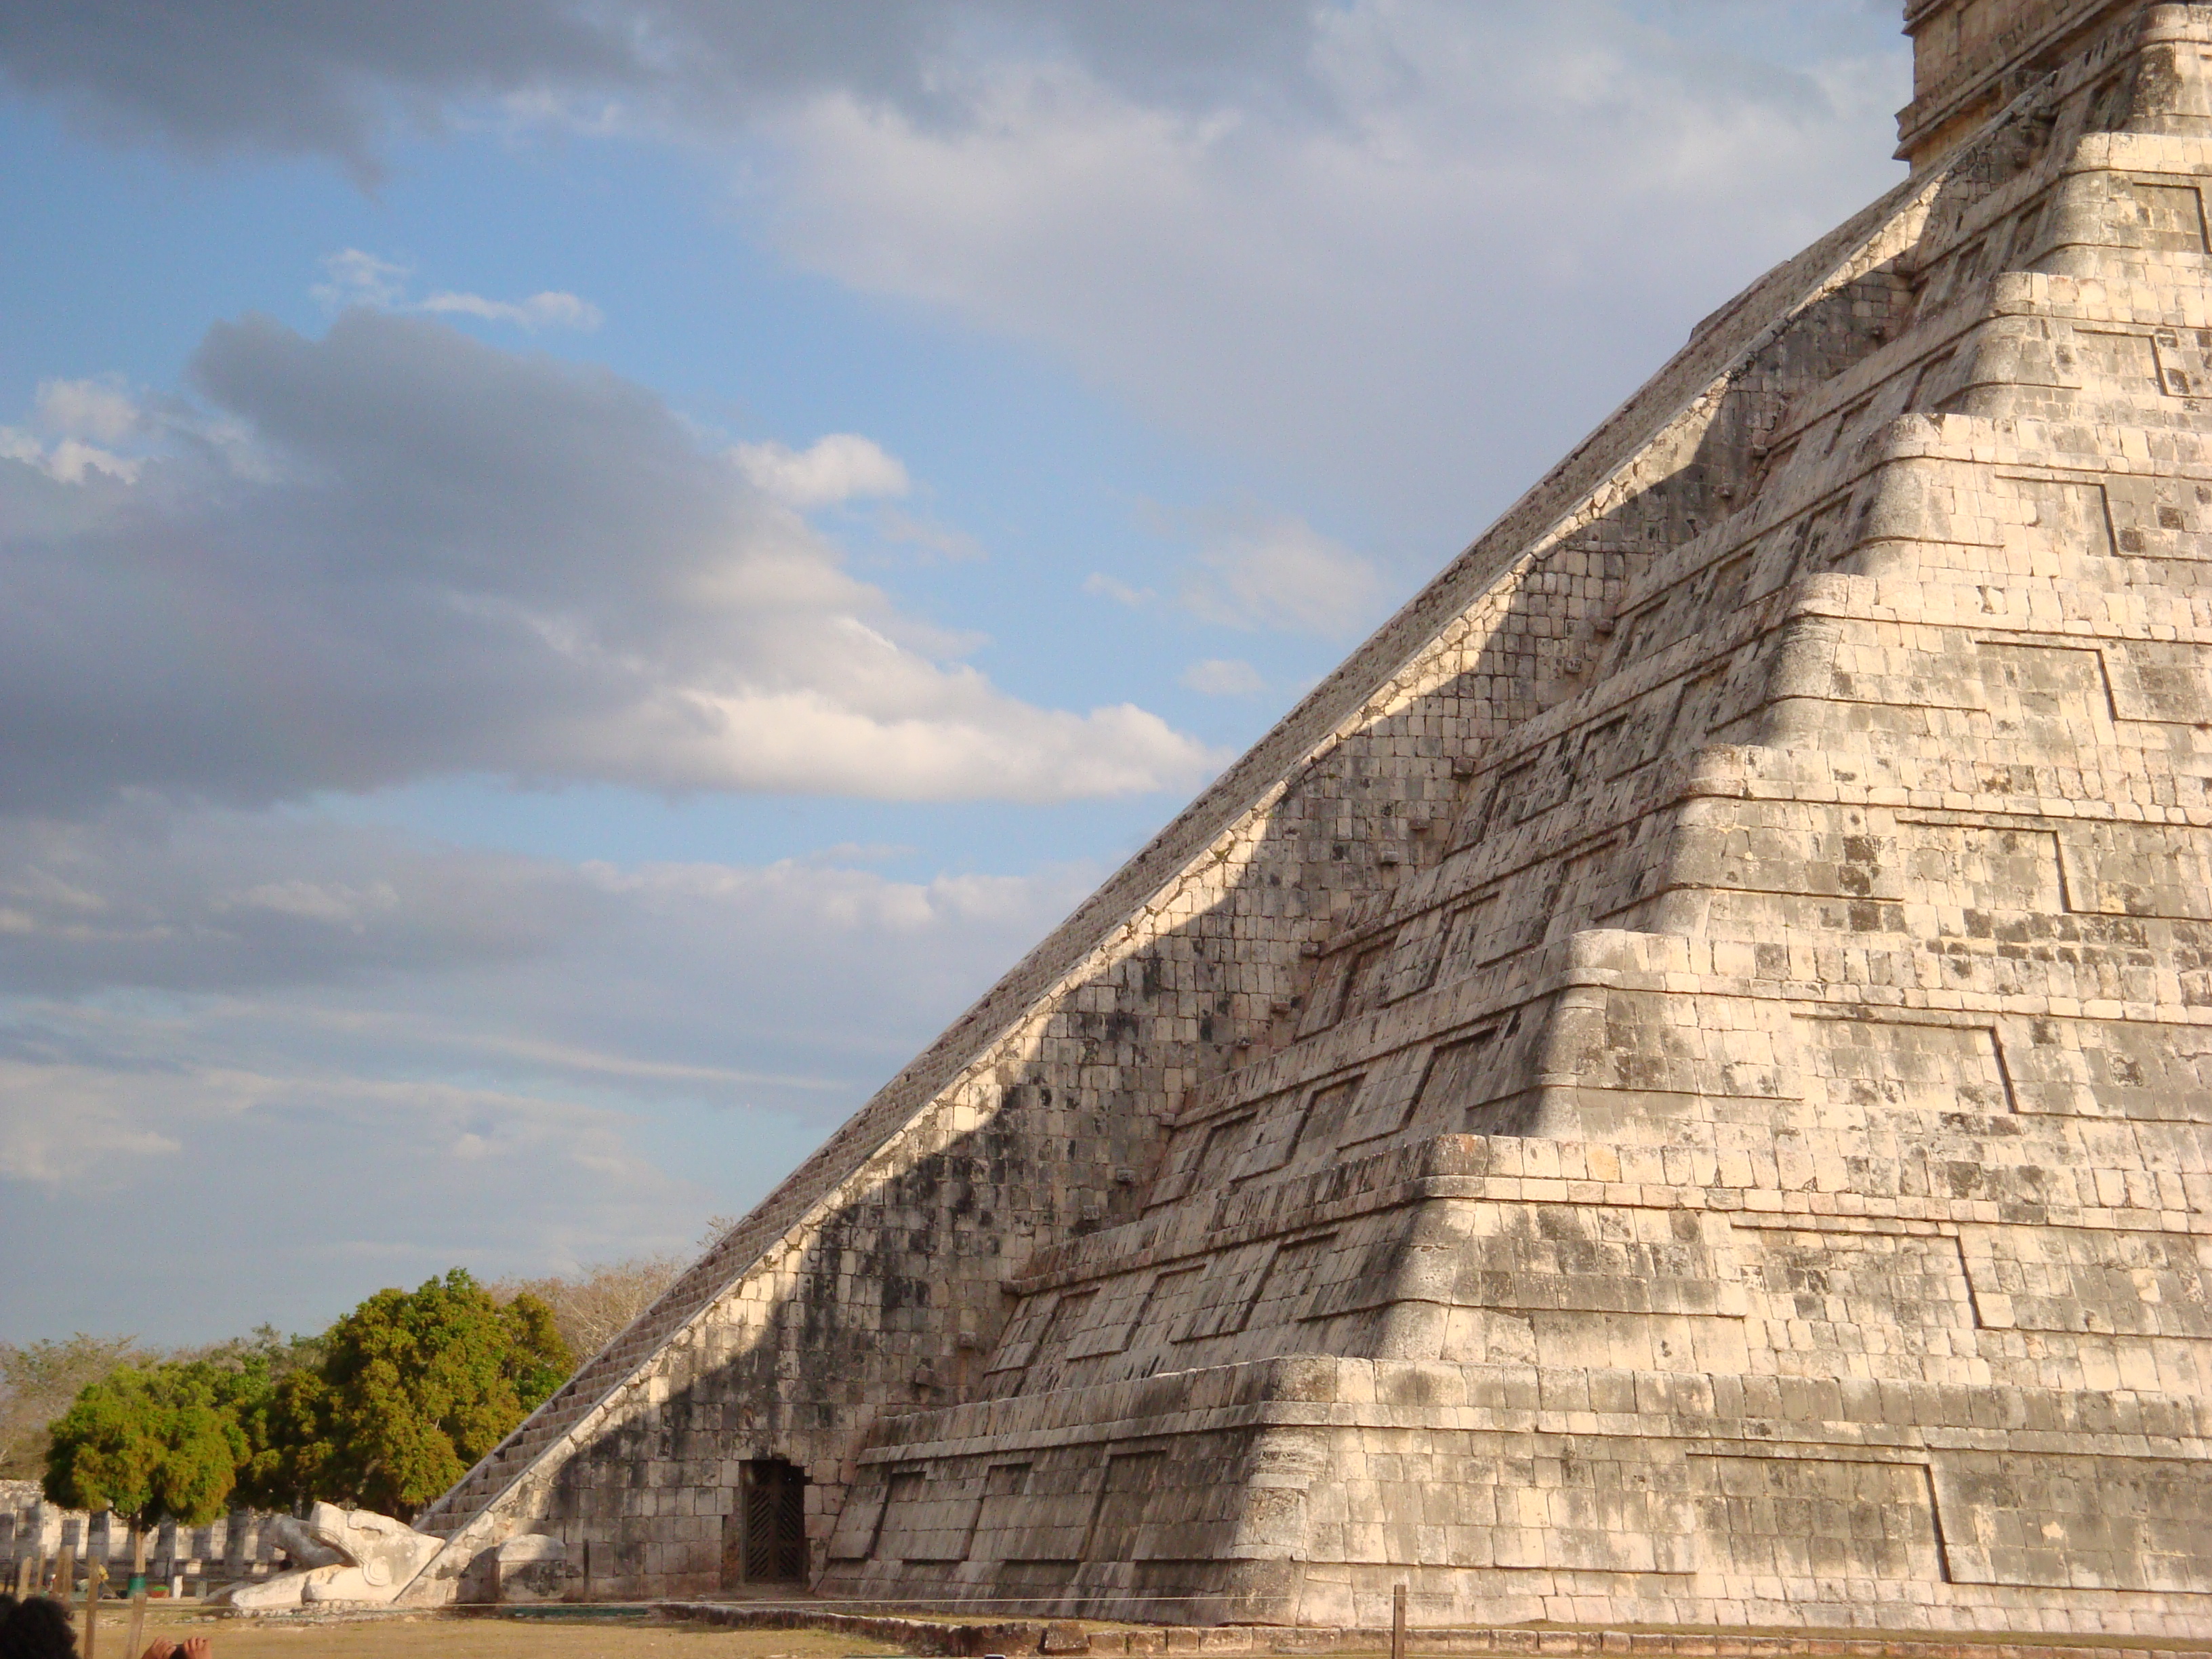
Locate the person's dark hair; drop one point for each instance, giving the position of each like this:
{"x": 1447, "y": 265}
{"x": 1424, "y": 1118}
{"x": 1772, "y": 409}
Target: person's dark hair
{"x": 37, "y": 1629}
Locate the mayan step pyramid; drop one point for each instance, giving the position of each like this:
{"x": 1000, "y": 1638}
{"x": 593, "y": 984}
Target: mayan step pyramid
{"x": 1675, "y": 1089}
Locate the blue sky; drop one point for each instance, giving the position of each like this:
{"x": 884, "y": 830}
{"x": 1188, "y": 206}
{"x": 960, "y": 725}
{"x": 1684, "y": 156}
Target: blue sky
{"x": 578, "y": 579}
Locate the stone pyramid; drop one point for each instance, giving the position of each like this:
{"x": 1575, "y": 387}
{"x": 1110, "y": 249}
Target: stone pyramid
{"x": 1675, "y": 1089}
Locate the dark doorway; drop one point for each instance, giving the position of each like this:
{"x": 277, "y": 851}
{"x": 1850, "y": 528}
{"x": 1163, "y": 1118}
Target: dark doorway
{"x": 764, "y": 1539}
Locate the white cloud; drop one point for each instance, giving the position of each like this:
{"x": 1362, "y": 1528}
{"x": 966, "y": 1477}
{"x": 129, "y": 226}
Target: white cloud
{"x": 272, "y": 1155}
{"x": 445, "y": 558}
{"x": 973, "y": 744}
{"x": 69, "y": 1124}
{"x": 66, "y": 460}
{"x": 549, "y": 310}
{"x": 809, "y": 898}
{"x": 313, "y": 901}
{"x": 1219, "y": 677}
{"x": 356, "y": 278}
{"x": 1280, "y": 573}
{"x": 839, "y": 468}
{"x": 103, "y": 410}
{"x": 68, "y": 413}
{"x": 1108, "y": 588}
{"x": 1413, "y": 268}
{"x": 142, "y": 895}
{"x": 211, "y": 79}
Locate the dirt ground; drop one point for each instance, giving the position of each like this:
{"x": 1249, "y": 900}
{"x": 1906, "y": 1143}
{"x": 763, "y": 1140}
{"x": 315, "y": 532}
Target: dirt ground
{"x": 482, "y": 1639}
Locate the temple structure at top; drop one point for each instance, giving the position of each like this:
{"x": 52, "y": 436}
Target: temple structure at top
{"x": 1675, "y": 1087}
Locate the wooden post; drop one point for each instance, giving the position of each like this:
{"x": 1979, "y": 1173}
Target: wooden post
{"x": 1398, "y": 1621}
{"x": 64, "y": 1586}
{"x": 134, "y": 1642}
{"x": 94, "y": 1572}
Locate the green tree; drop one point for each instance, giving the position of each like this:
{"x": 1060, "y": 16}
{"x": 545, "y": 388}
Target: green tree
{"x": 37, "y": 1380}
{"x": 153, "y": 1443}
{"x": 288, "y": 1430}
{"x": 411, "y": 1388}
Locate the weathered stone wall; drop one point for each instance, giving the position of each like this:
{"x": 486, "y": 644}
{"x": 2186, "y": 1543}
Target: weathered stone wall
{"x": 1670, "y": 1091}
{"x": 1972, "y": 57}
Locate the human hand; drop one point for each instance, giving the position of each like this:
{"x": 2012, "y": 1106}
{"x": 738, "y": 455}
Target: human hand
{"x": 160, "y": 1648}
{"x": 195, "y": 1647}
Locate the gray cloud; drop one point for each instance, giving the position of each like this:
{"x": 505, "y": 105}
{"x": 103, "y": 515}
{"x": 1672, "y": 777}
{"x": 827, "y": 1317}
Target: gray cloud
{"x": 321, "y": 76}
{"x": 220, "y": 75}
{"x": 144, "y": 898}
{"x": 397, "y": 552}
{"x": 662, "y": 976}
{"x": 208, "y": 77}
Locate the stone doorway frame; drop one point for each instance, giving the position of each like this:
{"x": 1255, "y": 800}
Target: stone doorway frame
{"x": 764, "y": 1533}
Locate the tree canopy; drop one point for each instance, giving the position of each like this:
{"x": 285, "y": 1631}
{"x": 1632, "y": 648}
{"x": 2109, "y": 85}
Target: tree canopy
{"x": 152, "y": 1443}
{"x": 411, "y": 1388}
{"x": 384, "y": 1411}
